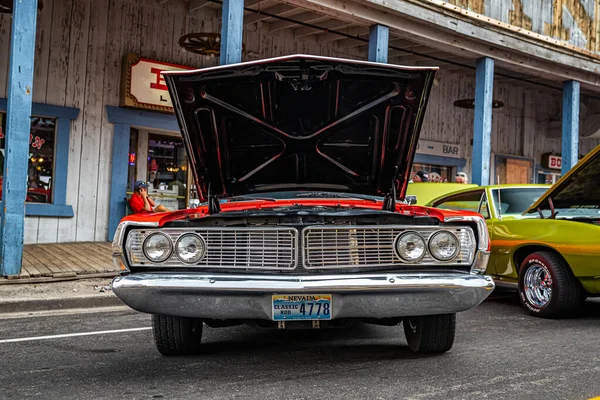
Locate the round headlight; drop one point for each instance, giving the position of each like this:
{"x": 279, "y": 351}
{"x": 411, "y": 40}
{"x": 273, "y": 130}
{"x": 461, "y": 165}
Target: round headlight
{"x": 157, "y": 247}
{"x": 190, "y": 248}
{"x": 443, "y": 246}
{"x": 410, "y": 246}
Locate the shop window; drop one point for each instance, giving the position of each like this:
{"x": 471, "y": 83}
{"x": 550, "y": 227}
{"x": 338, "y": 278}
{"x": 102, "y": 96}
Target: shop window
{"x": 549, "y": 178}
{"x": 40, "y": 174}
{"x": 436, "y": 173}
{"x": 167, "y": 171}
{"x": 133, "y": 156}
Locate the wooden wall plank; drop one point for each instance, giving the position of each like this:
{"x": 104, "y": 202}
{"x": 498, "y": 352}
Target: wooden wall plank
{"x": 111, "y": 86}
{"x": 92, "y": 124}
{"x": 76, "y": 97}
{"x": 42, "y": 52}
{"x": 58, "y": 62}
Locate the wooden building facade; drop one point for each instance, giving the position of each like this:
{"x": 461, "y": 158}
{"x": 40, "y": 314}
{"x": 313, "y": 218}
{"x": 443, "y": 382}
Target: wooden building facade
{"x": 81, "y": 47}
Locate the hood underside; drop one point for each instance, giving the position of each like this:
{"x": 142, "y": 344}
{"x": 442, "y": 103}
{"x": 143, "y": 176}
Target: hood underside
{"x": 578, "y": 188}
{"x": 301, "y": 122}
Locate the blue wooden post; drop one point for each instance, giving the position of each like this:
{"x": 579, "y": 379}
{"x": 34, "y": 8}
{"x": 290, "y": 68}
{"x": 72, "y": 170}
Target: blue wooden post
{"x": 482, "y": 124}
{"x": 118, "y": 185}
{"x": 231, "y": 31}
{"x": 18, "y": 127}
{"x": 379, "y": 37}
{"x": 570, "y": 125}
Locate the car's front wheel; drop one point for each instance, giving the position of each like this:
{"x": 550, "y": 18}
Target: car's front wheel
{"x": 176, "y": 336}
{"x": 547, "y": 287}
{"x": 430, "y": 333}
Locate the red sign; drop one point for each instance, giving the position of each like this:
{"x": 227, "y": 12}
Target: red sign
{"x": 552, "y": 161}
{"x": 143, "y": 84}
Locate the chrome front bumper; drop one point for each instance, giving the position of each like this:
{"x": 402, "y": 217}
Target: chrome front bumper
{"x": 368, "y": 295}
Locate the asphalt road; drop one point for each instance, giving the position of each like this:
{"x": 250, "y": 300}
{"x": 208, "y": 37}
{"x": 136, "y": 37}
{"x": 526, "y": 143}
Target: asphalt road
{"x": 499, "y": 353}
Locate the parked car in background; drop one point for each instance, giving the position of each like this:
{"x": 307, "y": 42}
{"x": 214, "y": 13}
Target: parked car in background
{"x": 423, "y": 192}
{"x": 312, "y": 156}
{"x": 545, "y": 241}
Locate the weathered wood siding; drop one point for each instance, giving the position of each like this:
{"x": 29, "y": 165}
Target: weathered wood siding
{"x": 79, "y": 50}
{"x": 525, "y": 126}
{"x": 574, "y": 21}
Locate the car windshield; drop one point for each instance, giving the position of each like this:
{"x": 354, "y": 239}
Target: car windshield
{"x": 516, "y": 200}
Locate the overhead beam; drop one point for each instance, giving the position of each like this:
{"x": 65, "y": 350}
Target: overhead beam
{"x": 231, "y": 31}
{"x": 306, "y": 17}
{"x": 197, "y": 4}
{"x": 18, "y": 128}
{"x": 482, "y": 121}
{"x": 333, "y": 37}
{"x": 329, "y": 24}
{"x": 260, "y": 16}
{"x": 570, "y": 125}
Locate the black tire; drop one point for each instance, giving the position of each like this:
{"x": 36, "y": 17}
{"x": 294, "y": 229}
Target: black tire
{"x": 431, "y": 333}
{"x": 177, "y": 336}
{"x": 565, "y": 294}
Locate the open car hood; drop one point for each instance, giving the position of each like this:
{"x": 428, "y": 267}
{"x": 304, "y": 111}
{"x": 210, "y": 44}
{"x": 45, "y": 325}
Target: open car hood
{"x": 302, "y": 123}
{"x": 578, "y": 188}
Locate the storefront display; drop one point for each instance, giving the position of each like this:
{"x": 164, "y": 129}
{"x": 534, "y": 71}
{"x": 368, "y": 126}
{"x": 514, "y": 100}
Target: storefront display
{"x": 41, "y": 158}
{"x": 436, "y": 173}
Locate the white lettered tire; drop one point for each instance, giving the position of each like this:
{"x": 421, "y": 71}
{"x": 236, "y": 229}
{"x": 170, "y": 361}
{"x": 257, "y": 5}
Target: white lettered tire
{"x": 547, "y": 287}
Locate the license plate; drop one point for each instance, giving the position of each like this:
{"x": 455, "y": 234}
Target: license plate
{"x": 301, "y": 307}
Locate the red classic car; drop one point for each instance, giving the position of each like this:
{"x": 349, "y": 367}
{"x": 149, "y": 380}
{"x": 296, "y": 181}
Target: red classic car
{"x": 303, "y": 164}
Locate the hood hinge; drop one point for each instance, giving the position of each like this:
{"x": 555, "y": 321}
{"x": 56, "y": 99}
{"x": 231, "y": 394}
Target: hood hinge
{"x": 214, "y": 206}
{"x": 389, "y": 203}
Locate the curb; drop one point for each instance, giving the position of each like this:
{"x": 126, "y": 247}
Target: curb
{"x": 32, "y": 305}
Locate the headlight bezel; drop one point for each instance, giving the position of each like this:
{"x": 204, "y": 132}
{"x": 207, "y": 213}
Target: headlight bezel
{"x": 169, "y": 254}
{"x": 457, "y": 241}
{"x": 405, "y": 233}
{"x": 176, "y": 251}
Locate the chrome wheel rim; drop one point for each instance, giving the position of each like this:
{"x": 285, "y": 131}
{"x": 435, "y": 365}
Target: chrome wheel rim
{"x": 538, "y": 285}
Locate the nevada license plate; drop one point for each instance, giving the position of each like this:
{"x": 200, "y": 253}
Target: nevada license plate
{"x": 301, "y": 307}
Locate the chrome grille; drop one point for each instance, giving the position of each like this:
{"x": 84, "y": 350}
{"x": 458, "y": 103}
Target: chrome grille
{"x": 373, "y": 246}
{"x": 248, "y": 248}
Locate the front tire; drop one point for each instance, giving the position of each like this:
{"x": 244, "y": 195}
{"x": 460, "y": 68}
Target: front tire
{"x": 176, "y": 336}
{"x": 430, "y": 334}
{"x": 547, "y": 287}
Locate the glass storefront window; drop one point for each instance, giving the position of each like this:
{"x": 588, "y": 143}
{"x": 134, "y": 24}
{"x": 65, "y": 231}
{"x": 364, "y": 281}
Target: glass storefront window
{"x": 548, "y": 177}
{"x": 132, "y": 162}
{"x": 437, "y": 173}
{"x": 167, "y": 171}
{"x": 40, "y": 171}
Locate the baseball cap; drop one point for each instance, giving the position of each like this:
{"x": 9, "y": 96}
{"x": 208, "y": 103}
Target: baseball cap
{"x": 140, "y": 185}
{"x": 423, "y": 175}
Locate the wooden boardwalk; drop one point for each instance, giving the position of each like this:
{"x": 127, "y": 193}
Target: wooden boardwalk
{"x": 66, "y": 260}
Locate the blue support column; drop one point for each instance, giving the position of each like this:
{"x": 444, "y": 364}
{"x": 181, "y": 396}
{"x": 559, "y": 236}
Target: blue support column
{"x": 379, "y": 38}
{"x": 231, "y": 31}
{"x": 18, "y": 126}
{"x": 570, "y": 125}
{"x": 118, "y": 186}
{"x": 482, "y": 124}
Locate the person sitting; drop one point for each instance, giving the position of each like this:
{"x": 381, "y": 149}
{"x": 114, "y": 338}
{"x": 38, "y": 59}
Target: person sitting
{"x": 140, "y": 202}
{"x": 421, "y": 176}
{"x": 461, "y": 177}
